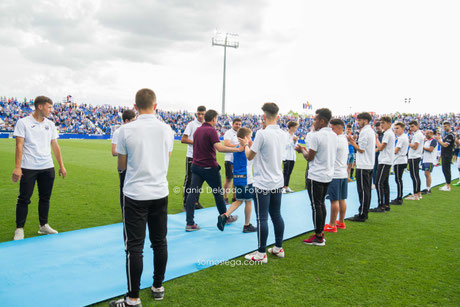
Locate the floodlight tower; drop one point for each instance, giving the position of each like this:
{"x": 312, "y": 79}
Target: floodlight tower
{"x": 225, "y": 40}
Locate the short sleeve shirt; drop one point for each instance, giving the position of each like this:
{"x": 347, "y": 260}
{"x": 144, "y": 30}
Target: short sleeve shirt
{"x": 36, "y": 153}
{"x": 448, "y": 151}
{"x": 204, "y": 152}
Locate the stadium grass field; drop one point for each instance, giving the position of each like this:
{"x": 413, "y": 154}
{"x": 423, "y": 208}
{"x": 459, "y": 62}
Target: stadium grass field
{"x": 406, "y": 257}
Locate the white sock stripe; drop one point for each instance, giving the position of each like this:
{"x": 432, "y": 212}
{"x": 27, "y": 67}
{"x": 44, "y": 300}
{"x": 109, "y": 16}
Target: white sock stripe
{"x": 379, "y": 192}
{"x": 258, "y": 218}
{"x": 128, "y": 262}
{"x": 313, "y": 203}
{"x": 362, "y": 188}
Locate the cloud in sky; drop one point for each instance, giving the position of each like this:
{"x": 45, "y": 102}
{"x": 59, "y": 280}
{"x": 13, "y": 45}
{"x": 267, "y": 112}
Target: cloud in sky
{"x": 346, "y": 55}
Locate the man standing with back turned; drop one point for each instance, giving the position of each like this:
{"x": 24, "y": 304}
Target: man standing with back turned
{"x": 365, "y": 159}
{"x": 144, "y": 148}
{"x": 34, "y": 134}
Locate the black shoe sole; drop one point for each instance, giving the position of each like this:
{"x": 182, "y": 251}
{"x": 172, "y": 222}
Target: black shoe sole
{"x": 221, "y": 221}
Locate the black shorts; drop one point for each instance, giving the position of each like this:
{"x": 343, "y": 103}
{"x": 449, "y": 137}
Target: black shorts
{"x": 228, "y": 170}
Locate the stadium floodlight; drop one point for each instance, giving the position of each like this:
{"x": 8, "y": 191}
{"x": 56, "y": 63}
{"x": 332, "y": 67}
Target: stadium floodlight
{"x": 225, "y": 40}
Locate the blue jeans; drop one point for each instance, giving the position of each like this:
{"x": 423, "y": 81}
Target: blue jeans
{"x": 268, "y": 202}
{"x": 199, "y": 175}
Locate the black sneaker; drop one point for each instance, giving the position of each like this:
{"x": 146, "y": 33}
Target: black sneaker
{"x": 357, "y": 218}
{"x": 158, "y": 293}
{"x": 249, "y": 228}
{"x": 426, "y": 191}
{"x": 122, "y": 303}
{"x": 398, "y": 202}
{"x": 387, "y": 208}
{"x": 378, "y": 210}
{"x": 221, "y": 221}
{"x": 198, "y": 206}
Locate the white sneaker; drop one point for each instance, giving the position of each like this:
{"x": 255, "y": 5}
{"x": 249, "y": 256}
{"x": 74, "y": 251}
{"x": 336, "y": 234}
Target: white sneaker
{"x": 256, "y": 256}
{"x": 276, "y": 251}
{"x": 289, "y": 190}
{"x": 46, "y": 230}
{"x": 445, "y": 189}
{"x": 18, "y": 234}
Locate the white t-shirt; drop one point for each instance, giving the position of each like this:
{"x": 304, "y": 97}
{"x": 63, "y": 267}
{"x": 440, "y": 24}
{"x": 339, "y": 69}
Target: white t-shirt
{"x": 403, "y": 145}
{"x": 189, "y": 131}
{"x": 36, "y": 153}
{"x": 249, "y": 175}
{"x": 340, "y": 165}
{"x": 115, "y": 136}
{"x": 430, "y": 157}
{"x": 366, "y": 142}
{"x": 387, "y": 155}
{"x": 147, "y": 142}
{"x": 290, "y": 153}
{"x": 419, "y": 138}
{"x": 269, "y": 145}
{"x": 308, "y": 138}
{"x": 321, "y": 168}
{"x": 230, "y": 135}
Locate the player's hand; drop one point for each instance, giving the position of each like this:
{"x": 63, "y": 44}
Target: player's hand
{"x": 17, "y": 174}
{"x": 300, "y": 148}
{"x": 295, "y": 138}
{"x": 350, "y": 139}
{"x": 62, "y": 172}
{"x": 242, "y": 141}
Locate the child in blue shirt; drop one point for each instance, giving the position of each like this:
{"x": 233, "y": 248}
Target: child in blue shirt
{"x": 242, "y": 180}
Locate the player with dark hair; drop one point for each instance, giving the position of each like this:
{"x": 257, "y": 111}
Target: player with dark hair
{"x": 447, "y": 151}
{"x": 33, "y": 163}
{"x": 187, "y": 138}
{"x": 385, "y": 160}
{"x": 321, "y": 157}
{"x": 205, "y": 168}
{"x": 365, "y": 158}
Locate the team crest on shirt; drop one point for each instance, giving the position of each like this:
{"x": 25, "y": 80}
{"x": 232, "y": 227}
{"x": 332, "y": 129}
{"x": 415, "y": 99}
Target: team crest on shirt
{"x": 47, "y": 127}
{"x": 33, "y": 126}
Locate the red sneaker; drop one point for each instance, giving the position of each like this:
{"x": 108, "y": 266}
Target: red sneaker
{"x": 329, "y": 228}
{"x": 340, "y": 225}
{"x": 314, "y": 240}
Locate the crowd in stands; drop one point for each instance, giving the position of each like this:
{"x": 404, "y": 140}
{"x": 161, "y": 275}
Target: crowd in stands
{"x": 87, "y": 119}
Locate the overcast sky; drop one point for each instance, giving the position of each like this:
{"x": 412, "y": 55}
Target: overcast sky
{"x": 349, "y": 56}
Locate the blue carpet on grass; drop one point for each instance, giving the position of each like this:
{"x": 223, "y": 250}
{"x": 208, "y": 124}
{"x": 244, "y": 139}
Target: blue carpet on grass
{"x": 86, "y": 266}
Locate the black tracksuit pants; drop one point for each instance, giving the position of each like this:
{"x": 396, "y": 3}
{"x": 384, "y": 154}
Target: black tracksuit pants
{"x": 317, "y": 192}
{"x": 446, "y": 162}
{"x": 136, "y": 214}
{"x": 45, "y": 181}
{"x": 288, "y": 166}
{"x": 188, "y": 179}
{"x": 364, "y": 185}
{"x": 382, "y": 185}
{"x": 414, "y": 169}
{"x": 399, "y": 171}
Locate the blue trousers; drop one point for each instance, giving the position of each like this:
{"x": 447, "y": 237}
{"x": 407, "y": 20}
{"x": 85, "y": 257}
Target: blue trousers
{"x": 268, "y": 202}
